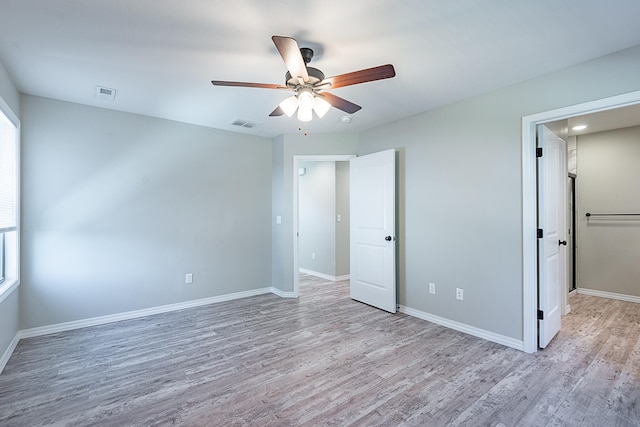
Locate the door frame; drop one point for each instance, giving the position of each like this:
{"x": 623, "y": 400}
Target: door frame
{"x": 296, "y": 177}
{"x": 529, "y": 204}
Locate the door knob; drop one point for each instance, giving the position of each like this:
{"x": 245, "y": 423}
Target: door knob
{"x": 562, "y": 242}
{"x": 388, "y": 238}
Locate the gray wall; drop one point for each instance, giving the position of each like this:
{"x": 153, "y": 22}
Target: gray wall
{"x": 343, "y": 266}
{"x": 316, "y": 217}
{"x": 460, "y": 191}
{"x": 118, "y": 207}
{"x": 277, "y": 200}
{"x": 284, "y": 148}
{"x": 608, "y": 177}
{"x": 9, "y": 306}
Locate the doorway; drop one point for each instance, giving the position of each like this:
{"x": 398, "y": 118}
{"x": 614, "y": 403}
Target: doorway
{"x": 323, "y": 217}
{"x": 297, "y": 174}
{"x": 529, "y": 180}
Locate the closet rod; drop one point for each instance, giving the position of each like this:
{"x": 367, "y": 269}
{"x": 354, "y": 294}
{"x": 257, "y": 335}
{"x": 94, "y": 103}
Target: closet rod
{"x": 611, "y": 214}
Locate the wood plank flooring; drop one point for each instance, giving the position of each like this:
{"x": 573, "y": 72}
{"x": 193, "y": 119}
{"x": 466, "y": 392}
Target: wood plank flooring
{"x": 324, "y": 360}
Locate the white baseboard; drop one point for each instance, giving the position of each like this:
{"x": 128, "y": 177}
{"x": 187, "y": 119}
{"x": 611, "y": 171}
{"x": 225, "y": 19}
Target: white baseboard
{"x": 95, "y": 321}
{"x": 283, "y": 294}
{"x": 7, "y": 354}
{"x": 471, "y": 330}
{"x": 325, "y": 276}
{"x": 610, "y": 295}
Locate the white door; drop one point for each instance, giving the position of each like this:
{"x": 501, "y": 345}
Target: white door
{"x": 373, "y": 225}
{"x": 552, "y": 172}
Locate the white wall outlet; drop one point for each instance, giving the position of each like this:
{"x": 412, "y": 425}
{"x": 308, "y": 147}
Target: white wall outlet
{"x": 278, "y": 219}
{"x": 459, "y": 294}
{"x": 432, "y": 288}
{"x": 313, "y": 255}
{"x": 339, "y": 219}
{"x": 188, "y": 278}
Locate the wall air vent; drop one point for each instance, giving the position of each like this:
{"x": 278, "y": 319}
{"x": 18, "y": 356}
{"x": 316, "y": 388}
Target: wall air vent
{"x": 243, "y": 123}
{"x": 105, "y": 93}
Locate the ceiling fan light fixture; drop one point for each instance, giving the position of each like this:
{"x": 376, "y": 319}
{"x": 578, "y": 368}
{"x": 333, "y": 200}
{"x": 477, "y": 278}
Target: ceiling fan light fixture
{"x": 305, "y": 99}
{"x": 289, "y": 105}
{"x": 321, "y": 106}
{"x": 305, "y": 114}
{"x": 307, "y": 82}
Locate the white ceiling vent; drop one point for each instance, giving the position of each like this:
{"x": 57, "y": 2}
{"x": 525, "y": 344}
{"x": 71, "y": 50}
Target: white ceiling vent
{"x": 245, "y": 123}
{"x": 105, "y": 93}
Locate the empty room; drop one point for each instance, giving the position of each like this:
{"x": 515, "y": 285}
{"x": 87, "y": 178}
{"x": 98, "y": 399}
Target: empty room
{"x": 296, "y": 213}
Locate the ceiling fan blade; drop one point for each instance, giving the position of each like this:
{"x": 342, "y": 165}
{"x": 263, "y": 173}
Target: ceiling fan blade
{"x": 277, "y": 112}
{"x": 340, "y": 103}
{"x": 356, "y": 77}
{"x": 290, "y": 52}
{"x": 245, "y": 84}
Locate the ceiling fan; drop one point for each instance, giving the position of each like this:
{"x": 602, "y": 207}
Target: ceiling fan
{"x": 310, "y": 84}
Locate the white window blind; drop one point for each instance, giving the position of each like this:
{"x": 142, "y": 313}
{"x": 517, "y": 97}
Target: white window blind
{"x": 7, "y": 174}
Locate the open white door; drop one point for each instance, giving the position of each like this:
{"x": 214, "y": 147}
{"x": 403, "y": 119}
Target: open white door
{"x": 373, "y": 225}
{"x": 552, "y": 173}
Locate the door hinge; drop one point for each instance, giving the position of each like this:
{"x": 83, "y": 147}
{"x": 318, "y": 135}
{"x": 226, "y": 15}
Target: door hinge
{"x": 539, "y": 152}
{"x": 540, "y": 233}
{"x": 540, "y": 315}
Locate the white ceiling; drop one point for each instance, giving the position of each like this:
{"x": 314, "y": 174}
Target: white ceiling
{"x": 160, "y": 55}
{"x": 600, "y": 121}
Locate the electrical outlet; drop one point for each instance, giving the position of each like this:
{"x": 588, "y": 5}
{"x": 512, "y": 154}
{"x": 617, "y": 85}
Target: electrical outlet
{"x": 432, "y": 288}
{"x": 188, "y": 278}
{"x": 459, "y": 294}
{"x": 313, "y": 255}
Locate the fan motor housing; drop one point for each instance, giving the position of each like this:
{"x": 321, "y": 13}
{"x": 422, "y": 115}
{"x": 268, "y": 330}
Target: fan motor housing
{"x": 315, "y": 77}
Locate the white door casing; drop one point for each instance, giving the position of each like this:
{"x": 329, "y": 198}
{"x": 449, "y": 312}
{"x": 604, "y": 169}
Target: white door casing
{"x": 373, "y": 225}
{"x": 552, "y": 172}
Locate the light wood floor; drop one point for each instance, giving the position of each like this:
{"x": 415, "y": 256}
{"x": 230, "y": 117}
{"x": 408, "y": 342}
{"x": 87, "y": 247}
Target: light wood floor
{"x": 324, "y": 360}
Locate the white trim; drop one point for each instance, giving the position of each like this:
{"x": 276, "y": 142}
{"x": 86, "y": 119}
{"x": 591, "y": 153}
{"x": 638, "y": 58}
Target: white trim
{"x": 610, "y": 295}
{"x": 471, "y": 330}
{"x": 7, "y": 288}
{"x": 283, "y": 294}
{"x": 7, "y": 354}
{"x": 325, "y": 276}
{"x": 296, "y": 177}
{"x": 11, "y": 115}
{"x": 95, "y": 321}
{"x": 529, "y": 208}
{"x": 12, "y": 282}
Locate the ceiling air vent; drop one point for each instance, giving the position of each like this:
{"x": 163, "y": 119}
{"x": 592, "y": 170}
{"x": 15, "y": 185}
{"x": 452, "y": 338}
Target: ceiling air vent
{"x": 105, "y": 93}
{"x": 243, "y": 123}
